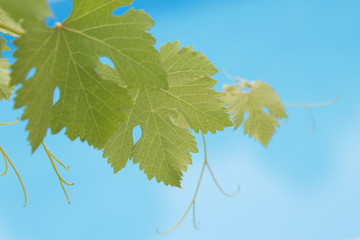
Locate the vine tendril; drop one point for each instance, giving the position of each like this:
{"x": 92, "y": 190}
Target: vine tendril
{"x": 311, "y": 105}
{"x": 219, "y": 187}
{"x": 7, "y": 160}
{"x": 308, "y": 107}
{"x": 192, "y": 203}
{"x": 11, "y": 123}
{"x": 61, "y": 180}
{"x": 196, "y": 226}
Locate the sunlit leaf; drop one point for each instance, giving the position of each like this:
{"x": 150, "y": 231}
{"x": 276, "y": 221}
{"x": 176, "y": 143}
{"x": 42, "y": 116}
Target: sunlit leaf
{"x": 259, "y": 124}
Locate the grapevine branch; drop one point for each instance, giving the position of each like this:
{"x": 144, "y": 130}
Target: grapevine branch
{"x": 7, "y": 160}
{"x": 192, "y": 203}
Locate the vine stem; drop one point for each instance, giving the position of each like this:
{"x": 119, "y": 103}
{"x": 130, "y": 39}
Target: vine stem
{"x": 11, "y": 29}
{"x": 61, "y": 180}
{"x": 192, "y": 203}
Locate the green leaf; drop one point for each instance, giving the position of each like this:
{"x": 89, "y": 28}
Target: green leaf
{"x": 105, "y": 72}
{"x": 185, "y": 64}
{"x": 8, "y": 25}
{"x": 3, "y": 46}
{"x": 164, "y": 147}
{"x": 178, "y": 119}
{"x": 66, "y": 57}
{"x": 26, "y": 10}
{"x": 190, "y": 88}
{"x": 259, "y": 124}
{"x": 123, "y": 39}
{"x": 5, "y": 90}
{"x": 162, "y": 150}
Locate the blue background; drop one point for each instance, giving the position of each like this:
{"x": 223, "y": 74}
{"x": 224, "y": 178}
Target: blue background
{"x": 302, "y": 186}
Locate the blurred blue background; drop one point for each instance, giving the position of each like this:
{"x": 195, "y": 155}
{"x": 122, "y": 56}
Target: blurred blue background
{"x": 302, "y": 186}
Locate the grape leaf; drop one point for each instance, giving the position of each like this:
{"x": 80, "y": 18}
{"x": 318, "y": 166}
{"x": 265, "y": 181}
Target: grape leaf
{"x": 259, "y": 124}
{"x": 66, "y": 57}
{"x": 26, "y": 10}
{"x": 107, "y": 73}
{"x": 8, "y": 25}
{"x": 5, "y": 90}
{"x": 190, "y": 88}
{"x": 179, "y": 119}
{"x": 3, "y": 46}
{"x": 164, "y": 147}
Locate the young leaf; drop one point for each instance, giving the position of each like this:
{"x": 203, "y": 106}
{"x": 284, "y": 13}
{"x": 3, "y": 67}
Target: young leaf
{"x": 259, "y": 124}
{"x": 3, "y": 46}
{"x": 163, "y": 150}
{"x": 8, "y": 25}
{"x": 179, "y": 119}
{"x": 66, "y": 57}
{"x": 26, "y": 11}
{"x": 105, "y": 72}
{"x": 5, "y": 90}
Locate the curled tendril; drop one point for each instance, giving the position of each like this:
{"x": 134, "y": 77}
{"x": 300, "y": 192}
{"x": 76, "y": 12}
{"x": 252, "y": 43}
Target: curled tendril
{"x": 192, "y": 203}
{"x": 196, "y": 226}
{"x": 61, "y": 180}
{"x": 7, "y": 160}
{"x": 219, "y": 187}
{"x": 11, "y": 123}
{"x": 308, "y": 107}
